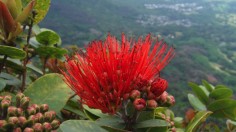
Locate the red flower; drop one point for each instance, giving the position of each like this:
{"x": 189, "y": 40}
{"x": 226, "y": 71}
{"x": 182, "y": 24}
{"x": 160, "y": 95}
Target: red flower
{"x": 111, "y": 69}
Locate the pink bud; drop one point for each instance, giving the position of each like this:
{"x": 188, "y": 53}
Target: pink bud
{"x": 22, "y": 120}
{"x": 18, "y": 129}
{"x": 150, "y": 95}
{"x": 139, "y": 104}
{"x": 47, "y": 127}
{"x": 38, "y": 127}
{"x": 163, "y": 97}
{"x": 28, "y": 130}
{"x": 171, "y": 100}
{"x": 50, "y": 115}
{"x": 135, "y": 94}
{"x": 44, "y": 108}
{"x": 11, "y": 111}
{"x": 13, "y": 120}
{"x": 55, "y": 124}
{"x": 152, "y": 104}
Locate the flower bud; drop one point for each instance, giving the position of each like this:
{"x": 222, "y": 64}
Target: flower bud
{"x": 28, "y": 129}
{"x": 24, "y": 103}
{"x": 170, "y": 100}
{"x": 18, "y": 129}
{"x": 38, "y": 127}
{"x": 135, "y": 94}
{"x": 5, "y": 104}
{"x": 39, "y": 117}
{"x": 44, "y": 108}
{"x": 31, "y": 110}
{"x": 19, "y": 112}
{"x": 50, "y": 115}
{"x": 7, "y": 97}
{"x": 36, "y": 107}
{"x": 47, "y": 127}
{"x": 163, "y": 97}
{"x": 55, "y": 124}
{"x": 11, "y": 111}
{"x": 139, "y": 104}
{"x": 19, "y": 96}
{"x": 13, "y": 120}
{"x": 3, "y": 123}
{"x": 22, "y": 121}
{"x": 152, "y": 104}
{"x": 173, "y": 129}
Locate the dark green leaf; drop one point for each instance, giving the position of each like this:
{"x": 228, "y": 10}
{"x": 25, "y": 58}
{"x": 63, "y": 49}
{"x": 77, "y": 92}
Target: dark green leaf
{"x": 52, "y": 52}
{"x": 48, "y": 38}
{"x": 145, "y": 115}
{"x": 12, "y": 52}
{"x": 14, "y": 64}
{"x": 2, "y": 84}
{"x": 93, "y": 114}
{"x": 151, "y": 123}
{"x": 49, "y": 89}
{"x": 199, "y": 92}
{"x": 158, "y": 129}
{"x": 197, "y": 120}
{"x": 80, "y": 126}
{"x": 73, "y": 106}
{"x": 196, "y": 103}
{"x": 111, "y": 122}
{"x": 221, "y": 93}
{"x": 224, "y": 108}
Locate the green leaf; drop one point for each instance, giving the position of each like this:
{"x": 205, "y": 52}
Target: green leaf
{"x": 93, "y": 114}
{"x": 221, "y": 93}
{"x": 12, "y": 52}
{"x": 197, "y": 120}
{"x": 158, "y": 129}
{"x": 49, "y": 89}
{"x": 220, "y": 86}
{"x": 2, "y": 84}
{"x": 15, "y": 64}
{"x": 10, "y": 79}
{"x": 196, "y": 103}
{"x": 34, "y": 68}
{"x": 151, "y": 123}
{"x": 48, "y": 38}
{"x": 111, "y": 122}
{"x": 52, "y": 52}
{"x": 41, "y": 8}
{"x": 207, "y": 85}
{"x": 199, "y": 92}
{"x": 145, "y": 115}
{"x": 73, "y": 106}
{"x": 224, "y": 108}
{"x": 178, "y": 121}
{"x": 80, "y": 126}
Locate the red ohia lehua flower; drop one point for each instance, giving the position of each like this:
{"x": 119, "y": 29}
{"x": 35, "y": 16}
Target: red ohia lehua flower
{"x": 109, "y": 70}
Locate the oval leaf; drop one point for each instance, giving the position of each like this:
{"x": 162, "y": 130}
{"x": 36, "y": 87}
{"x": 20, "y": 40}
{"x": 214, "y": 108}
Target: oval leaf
{"x": 151, "y": 123}
{"x": 52, "y": 52}
{"x": 80, "y": 126}
{"x": 221, "y": 93}
{"x": 196, "y": 103}
{"x": 207, "y": 85}
{"x": 197, "y": 120}
{"x": 199, "y": 92}
{"x": 48, "y": 38}
{"x": 12, "y": 52}
{"x": 49, "y": 89}
{"x": 224, "y": 108}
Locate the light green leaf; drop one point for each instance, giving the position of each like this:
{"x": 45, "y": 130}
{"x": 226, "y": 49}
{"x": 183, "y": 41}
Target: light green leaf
{"x": 221, "y": 93}
{"x": 34, "y": 68}
{"x": 12, "y": 52}
{"x": 10, "y": 79}
{"x": 196, "y": 103}
{"x": 93, "y": 114}
{"x": 80, "y": 126}
{"x": 199, "y": 92}
{"x": 49, "y": 89}
{"x": 197, "y": 120}
{"x": 207, "y": 85}
{"x": 48, "y": 38}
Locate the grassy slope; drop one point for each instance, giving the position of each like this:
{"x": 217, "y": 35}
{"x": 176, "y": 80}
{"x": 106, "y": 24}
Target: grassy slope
{"x": 204, "y": 51}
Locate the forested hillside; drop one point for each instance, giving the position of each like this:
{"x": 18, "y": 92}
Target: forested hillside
{"x": 202, "y": 31}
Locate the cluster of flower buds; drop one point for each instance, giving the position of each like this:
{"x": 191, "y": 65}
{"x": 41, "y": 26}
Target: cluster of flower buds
{"x": 147, "y": 99}
{"x": 24, "y": 117}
